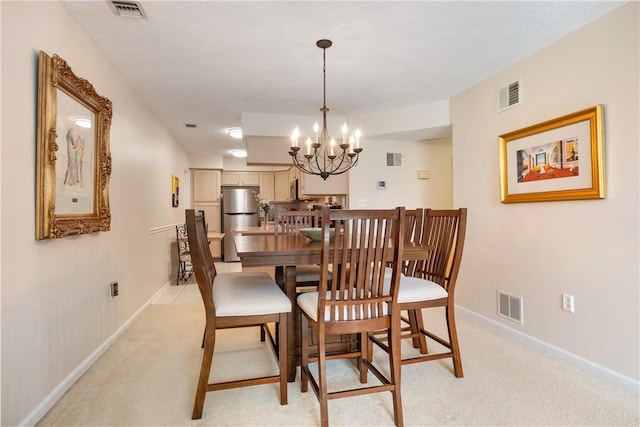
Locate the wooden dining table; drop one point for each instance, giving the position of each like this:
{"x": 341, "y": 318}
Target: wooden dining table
{"x": 284, "y": 252}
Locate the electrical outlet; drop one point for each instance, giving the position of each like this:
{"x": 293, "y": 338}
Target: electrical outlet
{"x": 568, "y": 303}
{"x": 362, "y": 203}
{"x": 114, "y": 289}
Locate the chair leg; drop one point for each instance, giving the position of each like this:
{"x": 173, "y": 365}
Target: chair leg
{"x": 395, "y": 364}
{"x": 453, "y": 340}
{"x": 282, "y": 357}
{"x": 205, "y": 369}
{"x": 322, "y": 381}
{"x": 415, "y": 323}
{"x": 304, "y": 353}
{"x": 366, "y": 352}
{"x": 421, "y": 339}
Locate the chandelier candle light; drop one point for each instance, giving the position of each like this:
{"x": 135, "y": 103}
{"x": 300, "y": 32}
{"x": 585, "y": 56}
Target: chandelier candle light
{"x": 322, "y": 156}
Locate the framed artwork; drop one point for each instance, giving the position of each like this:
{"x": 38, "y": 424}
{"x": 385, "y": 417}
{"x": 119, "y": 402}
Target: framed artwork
{"x": 560, "y": 159}
{"x": 73, "y": 164}
{"x": 175, "y": 190}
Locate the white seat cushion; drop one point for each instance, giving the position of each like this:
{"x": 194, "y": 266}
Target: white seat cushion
{"x": 417, "y": 289}
{"x": 308, "y": 302}
{"x": 248, "y": 293}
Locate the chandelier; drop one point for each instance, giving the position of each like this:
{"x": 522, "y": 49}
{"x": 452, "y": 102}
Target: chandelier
{"x": 323, "y": 156}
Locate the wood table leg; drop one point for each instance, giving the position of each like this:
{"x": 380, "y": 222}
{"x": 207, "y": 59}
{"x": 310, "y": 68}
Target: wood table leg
{"x": 294, "y": 340}
{"x": 286, "y": 279}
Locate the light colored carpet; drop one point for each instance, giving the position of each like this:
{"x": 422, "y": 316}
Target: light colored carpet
{"x": 148, "y": 378}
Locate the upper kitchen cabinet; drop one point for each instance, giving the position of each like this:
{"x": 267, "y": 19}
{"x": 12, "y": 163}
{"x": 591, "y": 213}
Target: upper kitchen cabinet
{"x": 294, "y": 173}
{"x": 313, "y": 185}
{"x": 267, "y": 186}
{"x": 205, "y": 185}
{"x": 240, "y": 178}
{"x": 281, "y": 183}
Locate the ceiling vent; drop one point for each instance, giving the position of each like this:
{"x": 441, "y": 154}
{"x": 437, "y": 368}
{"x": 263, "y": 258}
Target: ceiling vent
{"x": 510, "y": 96}
{"x": 128, "y": 9}
{"x": 394, "y": 159}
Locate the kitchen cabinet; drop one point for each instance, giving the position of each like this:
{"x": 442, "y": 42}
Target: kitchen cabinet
{"x": 281, "y": 184}
{"x": 294, "y": 173}
{"x": 240, "y": 178}
{"x": 267, "y": 185}
{"x": 212, "y": 218}
{"x": 211, "y": 214}
{"x": 206, "y": 185}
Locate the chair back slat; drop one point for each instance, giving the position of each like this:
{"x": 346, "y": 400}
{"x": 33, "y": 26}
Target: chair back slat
{"x": 445, "y": 231}
{"x": 289, "y": 222}
{"x": 413, "y": 231}
{"x": 365, "y": 243}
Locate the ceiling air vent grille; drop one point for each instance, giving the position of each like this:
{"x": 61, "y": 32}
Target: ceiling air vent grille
{"x": 394, "y": 159}
{"x": 510, "y": 96}
{"x": 129, "y": 9}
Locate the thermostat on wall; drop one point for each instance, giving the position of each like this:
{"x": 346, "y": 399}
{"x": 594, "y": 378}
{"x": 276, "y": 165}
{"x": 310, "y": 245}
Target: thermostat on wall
{"x": 382, "y": 185}
{"x": 424, "y": 174}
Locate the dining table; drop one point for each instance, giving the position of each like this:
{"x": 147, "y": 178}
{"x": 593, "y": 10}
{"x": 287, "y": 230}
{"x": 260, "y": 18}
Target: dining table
{"x": 284, "y": 252}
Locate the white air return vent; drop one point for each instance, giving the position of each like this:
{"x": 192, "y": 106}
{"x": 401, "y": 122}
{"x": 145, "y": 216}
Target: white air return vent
{"x": 510, "y": 96}
{"x": 128, "y": 9}
{"x": 394, "y": 159}
{"x": 510, "y": 307}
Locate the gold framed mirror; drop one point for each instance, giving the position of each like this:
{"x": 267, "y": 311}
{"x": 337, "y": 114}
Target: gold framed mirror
{"x": 73, "y": 156}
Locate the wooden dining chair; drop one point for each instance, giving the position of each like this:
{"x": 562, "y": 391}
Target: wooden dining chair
{"x": 356, "y": 300}
{"x": 430, "y": 282}
{"x": 233, "y": 300}
{"x": 289, "y": 222}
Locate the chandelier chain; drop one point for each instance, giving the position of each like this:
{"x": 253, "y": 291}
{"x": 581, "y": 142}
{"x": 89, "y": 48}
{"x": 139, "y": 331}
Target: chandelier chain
{"x": 323, "y": 156}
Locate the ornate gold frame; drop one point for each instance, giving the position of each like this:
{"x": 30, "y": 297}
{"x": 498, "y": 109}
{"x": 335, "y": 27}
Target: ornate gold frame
{"x": 84, "y": 200}
{"x": 583, "y": 129}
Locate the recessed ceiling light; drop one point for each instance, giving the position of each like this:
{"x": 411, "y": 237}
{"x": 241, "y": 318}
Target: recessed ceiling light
{"x": 235, "y": 133}
{"x": 238, "y": 152}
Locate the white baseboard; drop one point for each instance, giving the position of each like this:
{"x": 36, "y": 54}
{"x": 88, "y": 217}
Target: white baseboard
{"x": 598, "y": 370}
{"x": 41, "y": 410}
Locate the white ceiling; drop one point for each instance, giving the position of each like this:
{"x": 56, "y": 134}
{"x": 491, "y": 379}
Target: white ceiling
{"x": 206, "y": 62}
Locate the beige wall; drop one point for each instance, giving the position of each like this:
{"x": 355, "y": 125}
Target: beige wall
{"x": 56, "y": 311}
{"x": 403, "y": 186}
{"x": 589, "y": 248}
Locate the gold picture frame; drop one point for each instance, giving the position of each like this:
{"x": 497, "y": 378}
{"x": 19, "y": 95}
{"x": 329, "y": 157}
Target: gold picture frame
{"x": 175, "y": 191}
{"x": 560, "y": 159}
{"x": 72, "y": 185}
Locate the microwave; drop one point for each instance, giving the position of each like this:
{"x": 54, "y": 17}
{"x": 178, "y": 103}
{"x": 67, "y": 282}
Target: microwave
{"x": 293, "y": 190}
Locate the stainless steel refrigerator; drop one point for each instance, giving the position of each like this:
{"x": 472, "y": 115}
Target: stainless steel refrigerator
{"x": 239, "y": 209}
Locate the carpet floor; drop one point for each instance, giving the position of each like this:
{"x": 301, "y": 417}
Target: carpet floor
{"x": 148, "y": 378}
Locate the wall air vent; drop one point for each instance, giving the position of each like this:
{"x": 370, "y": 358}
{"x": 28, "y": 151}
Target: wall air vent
{"x": 394, "y": 159}
{"x": 128, "y": 9}
{"x": 510, "y": 307}
{"x": 510, "y": 96}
